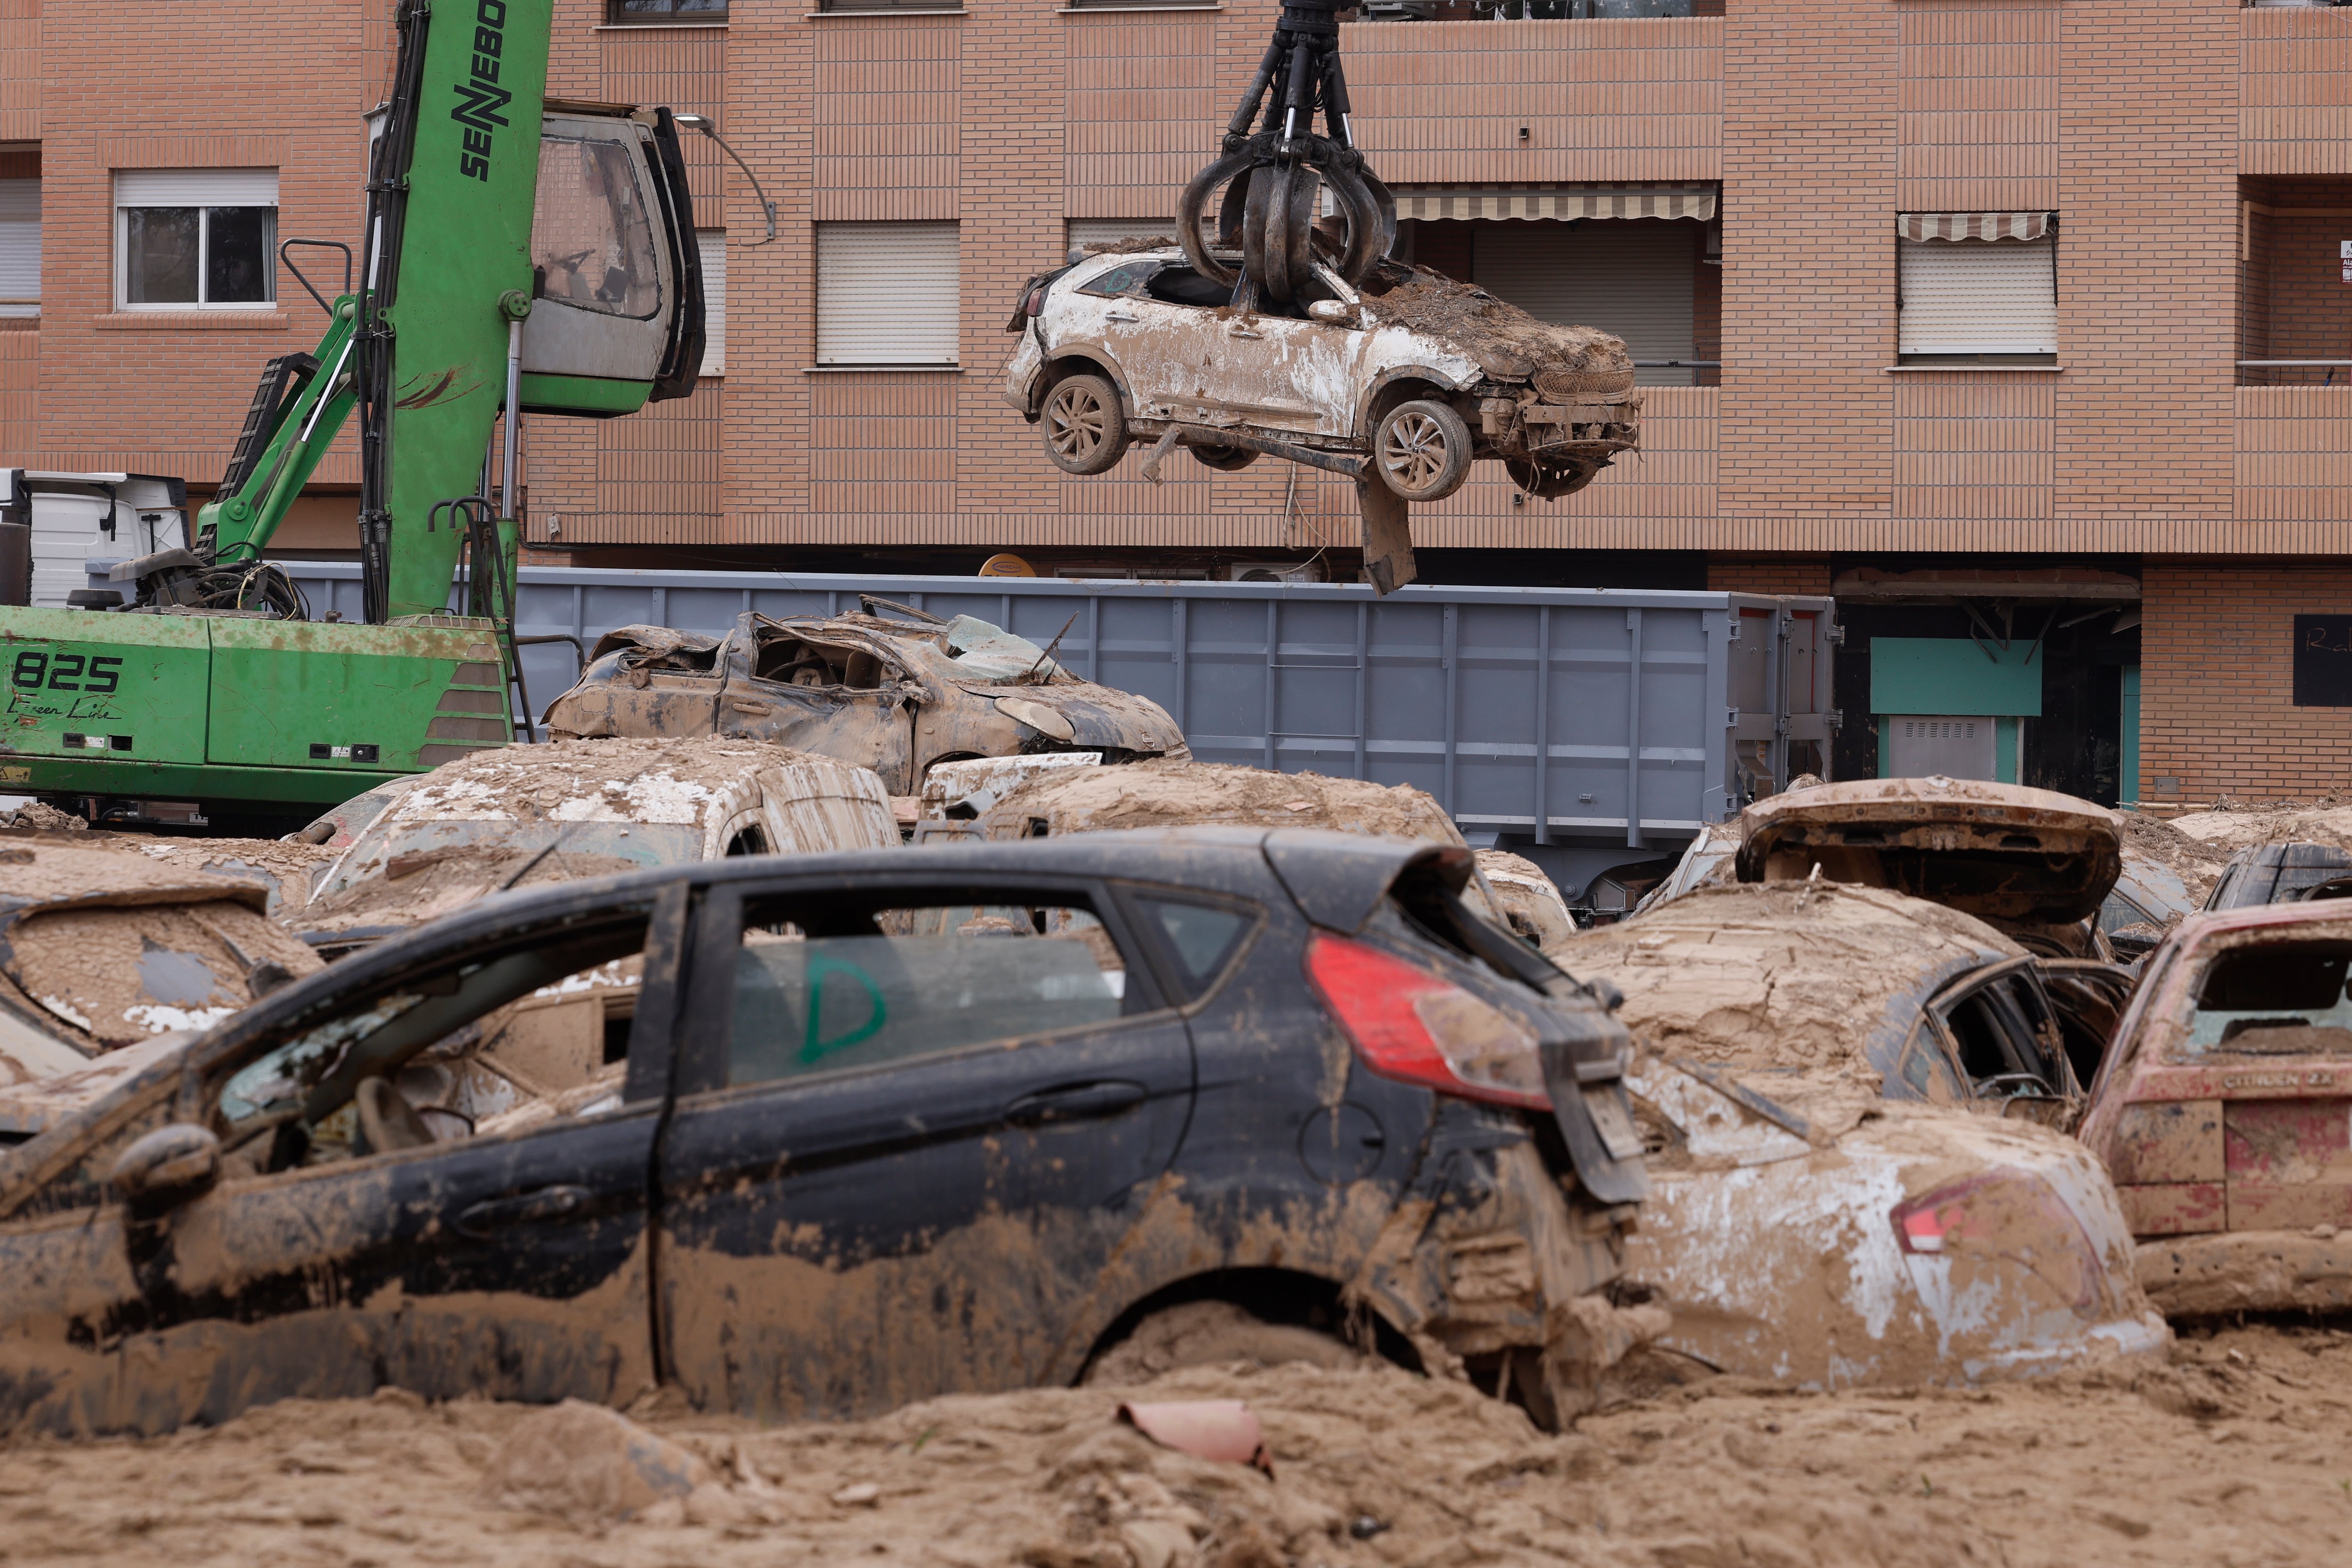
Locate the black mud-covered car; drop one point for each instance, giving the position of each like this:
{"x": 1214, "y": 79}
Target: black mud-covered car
{"x": 882, "y": 1125}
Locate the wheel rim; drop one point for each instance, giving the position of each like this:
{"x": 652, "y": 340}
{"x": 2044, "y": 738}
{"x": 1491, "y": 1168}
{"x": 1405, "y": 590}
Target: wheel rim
{"x": 1413, "y": 449}
{"x": 1075, "y": 421}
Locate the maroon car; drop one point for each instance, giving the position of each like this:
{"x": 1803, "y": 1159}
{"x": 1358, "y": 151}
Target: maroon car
{"x": 2223, "y": 1109}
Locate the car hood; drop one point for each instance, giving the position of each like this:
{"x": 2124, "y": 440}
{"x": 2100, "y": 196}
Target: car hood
{"x": 1996, "y": 851}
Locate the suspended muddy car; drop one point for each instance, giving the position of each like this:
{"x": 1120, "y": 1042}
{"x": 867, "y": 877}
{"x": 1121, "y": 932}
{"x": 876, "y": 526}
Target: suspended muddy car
{"x": 102, "y": 949}
{"x": 1412, "y": 375}
{"x": 2223, "y": 1112}
{"x": 886, "y": 694}
{"x": 1842, "y": 1091}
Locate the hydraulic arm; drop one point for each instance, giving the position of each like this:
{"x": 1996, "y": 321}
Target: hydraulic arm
{"x": 519, "y": 256}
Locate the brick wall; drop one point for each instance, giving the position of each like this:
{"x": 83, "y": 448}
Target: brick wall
{"x": 1768, "y": 573}
{"x": 2216, "y": 682}
{"x": 1822, "y": 118}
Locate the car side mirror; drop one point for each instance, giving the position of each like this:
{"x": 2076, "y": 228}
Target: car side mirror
{"x": 170, "y": 1165}
{"x": 1338, "y": 312}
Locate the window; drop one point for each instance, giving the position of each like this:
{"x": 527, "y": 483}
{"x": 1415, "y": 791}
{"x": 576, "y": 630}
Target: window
{"x": 1965, "y": 299}
{"x": 627, "y": 13}
{"x": 2281, "y": 999}
{"x": 1201, "y": 938}
{"x": 920, "y": 981}
{"x": 855, "y": 6}
{"x": 888, "y": 294}
{"x": 20, "y": 247}
{"x": 591, "y": 241}
{"x": 713, "y": 245}
{"x": 196, "y": 239}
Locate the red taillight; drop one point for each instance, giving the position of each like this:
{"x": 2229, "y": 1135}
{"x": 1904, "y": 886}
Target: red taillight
{"x": 1419, "y": 1028}
{"x": 2013, "y": 1217}
{"x": 1035, "y": 304}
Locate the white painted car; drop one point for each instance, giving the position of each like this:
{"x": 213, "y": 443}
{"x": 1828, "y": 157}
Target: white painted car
{"x": 1846, "y": 1189}
{"x": 1414, "y": 376}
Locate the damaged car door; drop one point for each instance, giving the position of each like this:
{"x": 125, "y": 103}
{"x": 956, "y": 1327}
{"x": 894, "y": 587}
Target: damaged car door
{"x": 846, "y": 695}
{"x": 283, "y": 1212}
{"x": 915, "y": 1123}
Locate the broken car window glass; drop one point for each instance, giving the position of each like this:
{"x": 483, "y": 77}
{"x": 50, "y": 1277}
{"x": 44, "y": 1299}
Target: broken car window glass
{"x": 591, "y": 244}
{"x": 2278, "y": 999}
{"x": 500, "y": 847}
{"x": 931, "y": 980}
{"x": 1127, "y": 278}
{"x": 493, "y": 1046}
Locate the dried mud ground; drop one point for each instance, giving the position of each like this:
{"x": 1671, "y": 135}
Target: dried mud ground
{"x": 2232, "y": 1453}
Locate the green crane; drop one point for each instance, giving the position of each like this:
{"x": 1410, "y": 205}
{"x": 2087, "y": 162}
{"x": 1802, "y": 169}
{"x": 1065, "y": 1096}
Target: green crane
{"x": 519, "y": 255}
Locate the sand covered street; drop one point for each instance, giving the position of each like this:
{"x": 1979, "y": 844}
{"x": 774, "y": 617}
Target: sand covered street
{"x": 2231, "y": 1454}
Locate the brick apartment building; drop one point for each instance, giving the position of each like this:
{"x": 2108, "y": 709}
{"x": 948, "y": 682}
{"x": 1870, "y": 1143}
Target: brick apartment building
{"x": 2023, "y": 325}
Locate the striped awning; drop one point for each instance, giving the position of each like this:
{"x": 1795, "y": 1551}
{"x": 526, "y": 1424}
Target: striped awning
{"x": 1974, "y": 225}
{"x": 1556, "y": 203}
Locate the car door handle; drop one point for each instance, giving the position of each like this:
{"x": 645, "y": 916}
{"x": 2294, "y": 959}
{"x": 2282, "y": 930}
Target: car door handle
{"x": 1239, "y": 331}
{"x": 1075, "y": 1102}
{"x": 1120, "y": 316}
{"x": 523, "y": 1208}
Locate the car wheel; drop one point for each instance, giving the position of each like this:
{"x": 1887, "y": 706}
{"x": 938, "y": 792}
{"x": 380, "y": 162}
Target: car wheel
{"x": 1422, "y": 449}
{"x": 1211, "y": 1333}
{"x": 1224, "y": 459}
{"x": 1085, "y": 431}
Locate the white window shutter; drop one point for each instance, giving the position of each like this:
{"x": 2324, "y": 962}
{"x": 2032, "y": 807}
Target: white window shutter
{"x": 712, "y": 243}
{"x": 195, "y": 187}
{"x": 20, "y": 247}
{"x": 888, "y": 294}
{"x": 1979, "y": 297}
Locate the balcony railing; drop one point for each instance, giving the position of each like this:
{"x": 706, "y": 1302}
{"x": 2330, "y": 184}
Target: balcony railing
{"x": 1532, "y": 10}
{"x": 2294, "y": 373}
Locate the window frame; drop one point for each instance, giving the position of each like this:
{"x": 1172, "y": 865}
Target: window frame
{"x": 705, "y": 1034}
{"x": 27, "y": 307}
{"x": 204, "y": 209}
{"x": 1944, "y": 359}
{"x": 616, "y": 16}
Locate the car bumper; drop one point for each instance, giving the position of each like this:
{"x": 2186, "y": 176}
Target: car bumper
{"x": 1796, "y": 1269}
{"x": 2247, "y": 1271}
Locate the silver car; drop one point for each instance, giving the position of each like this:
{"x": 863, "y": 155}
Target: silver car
{"x": 1414, "y": 376}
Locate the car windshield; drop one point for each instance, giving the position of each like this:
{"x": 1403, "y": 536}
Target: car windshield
{"x": 395, "y": 850}
{"x": 2284, "y": 998}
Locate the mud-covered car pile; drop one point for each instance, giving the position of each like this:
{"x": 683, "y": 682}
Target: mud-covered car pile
{"x": 897, "y": 693}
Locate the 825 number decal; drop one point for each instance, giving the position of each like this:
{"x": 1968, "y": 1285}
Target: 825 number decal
{"x": 36, "y": 671}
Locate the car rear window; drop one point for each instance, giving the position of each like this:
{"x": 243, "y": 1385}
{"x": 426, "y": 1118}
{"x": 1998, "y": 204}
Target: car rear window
{"x": 928, "y": 980}
{"x": 2275, "y": 999}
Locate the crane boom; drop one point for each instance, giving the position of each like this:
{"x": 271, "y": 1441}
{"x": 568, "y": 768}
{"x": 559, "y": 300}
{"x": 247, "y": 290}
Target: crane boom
{"x": 519, "y": 256}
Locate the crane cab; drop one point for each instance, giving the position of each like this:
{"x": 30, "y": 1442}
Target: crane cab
{"x": 617, "y": 280}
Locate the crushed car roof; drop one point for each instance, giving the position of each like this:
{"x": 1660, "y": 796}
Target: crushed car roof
{"x": 1166, "y": 793}
{"x": 40, "y": 877}
{"x": 1997, "y": 850}
{"x": 1783, "y": 981}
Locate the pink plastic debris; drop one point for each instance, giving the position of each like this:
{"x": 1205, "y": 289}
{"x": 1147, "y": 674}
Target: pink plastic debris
{"x": 1220, "y": 1429}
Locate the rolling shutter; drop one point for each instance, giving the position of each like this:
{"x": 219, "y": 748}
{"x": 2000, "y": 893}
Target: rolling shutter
{"x": 888, "y": 294}
{"x": 1979, "y": 297}
{"x": 712, "y": 243}
{"x": 1636, "y": 280}
{"x": 195, "y": 187}
{"x": 1086, "y": 231}
{"x": 20, "y": 247}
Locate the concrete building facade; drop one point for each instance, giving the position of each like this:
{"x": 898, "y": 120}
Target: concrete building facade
{"x": 2024, "y": 325}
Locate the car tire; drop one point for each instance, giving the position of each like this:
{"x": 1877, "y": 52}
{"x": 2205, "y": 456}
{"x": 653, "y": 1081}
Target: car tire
{"x": 1421, "y": 450}
{"x": 1083, "y": 428}
{"x": 1211, "y": 1333}
{"x": 1224, "y": 459}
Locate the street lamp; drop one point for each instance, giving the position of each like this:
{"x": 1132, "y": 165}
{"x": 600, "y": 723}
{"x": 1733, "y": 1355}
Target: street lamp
{"x": 702, "y": 122}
